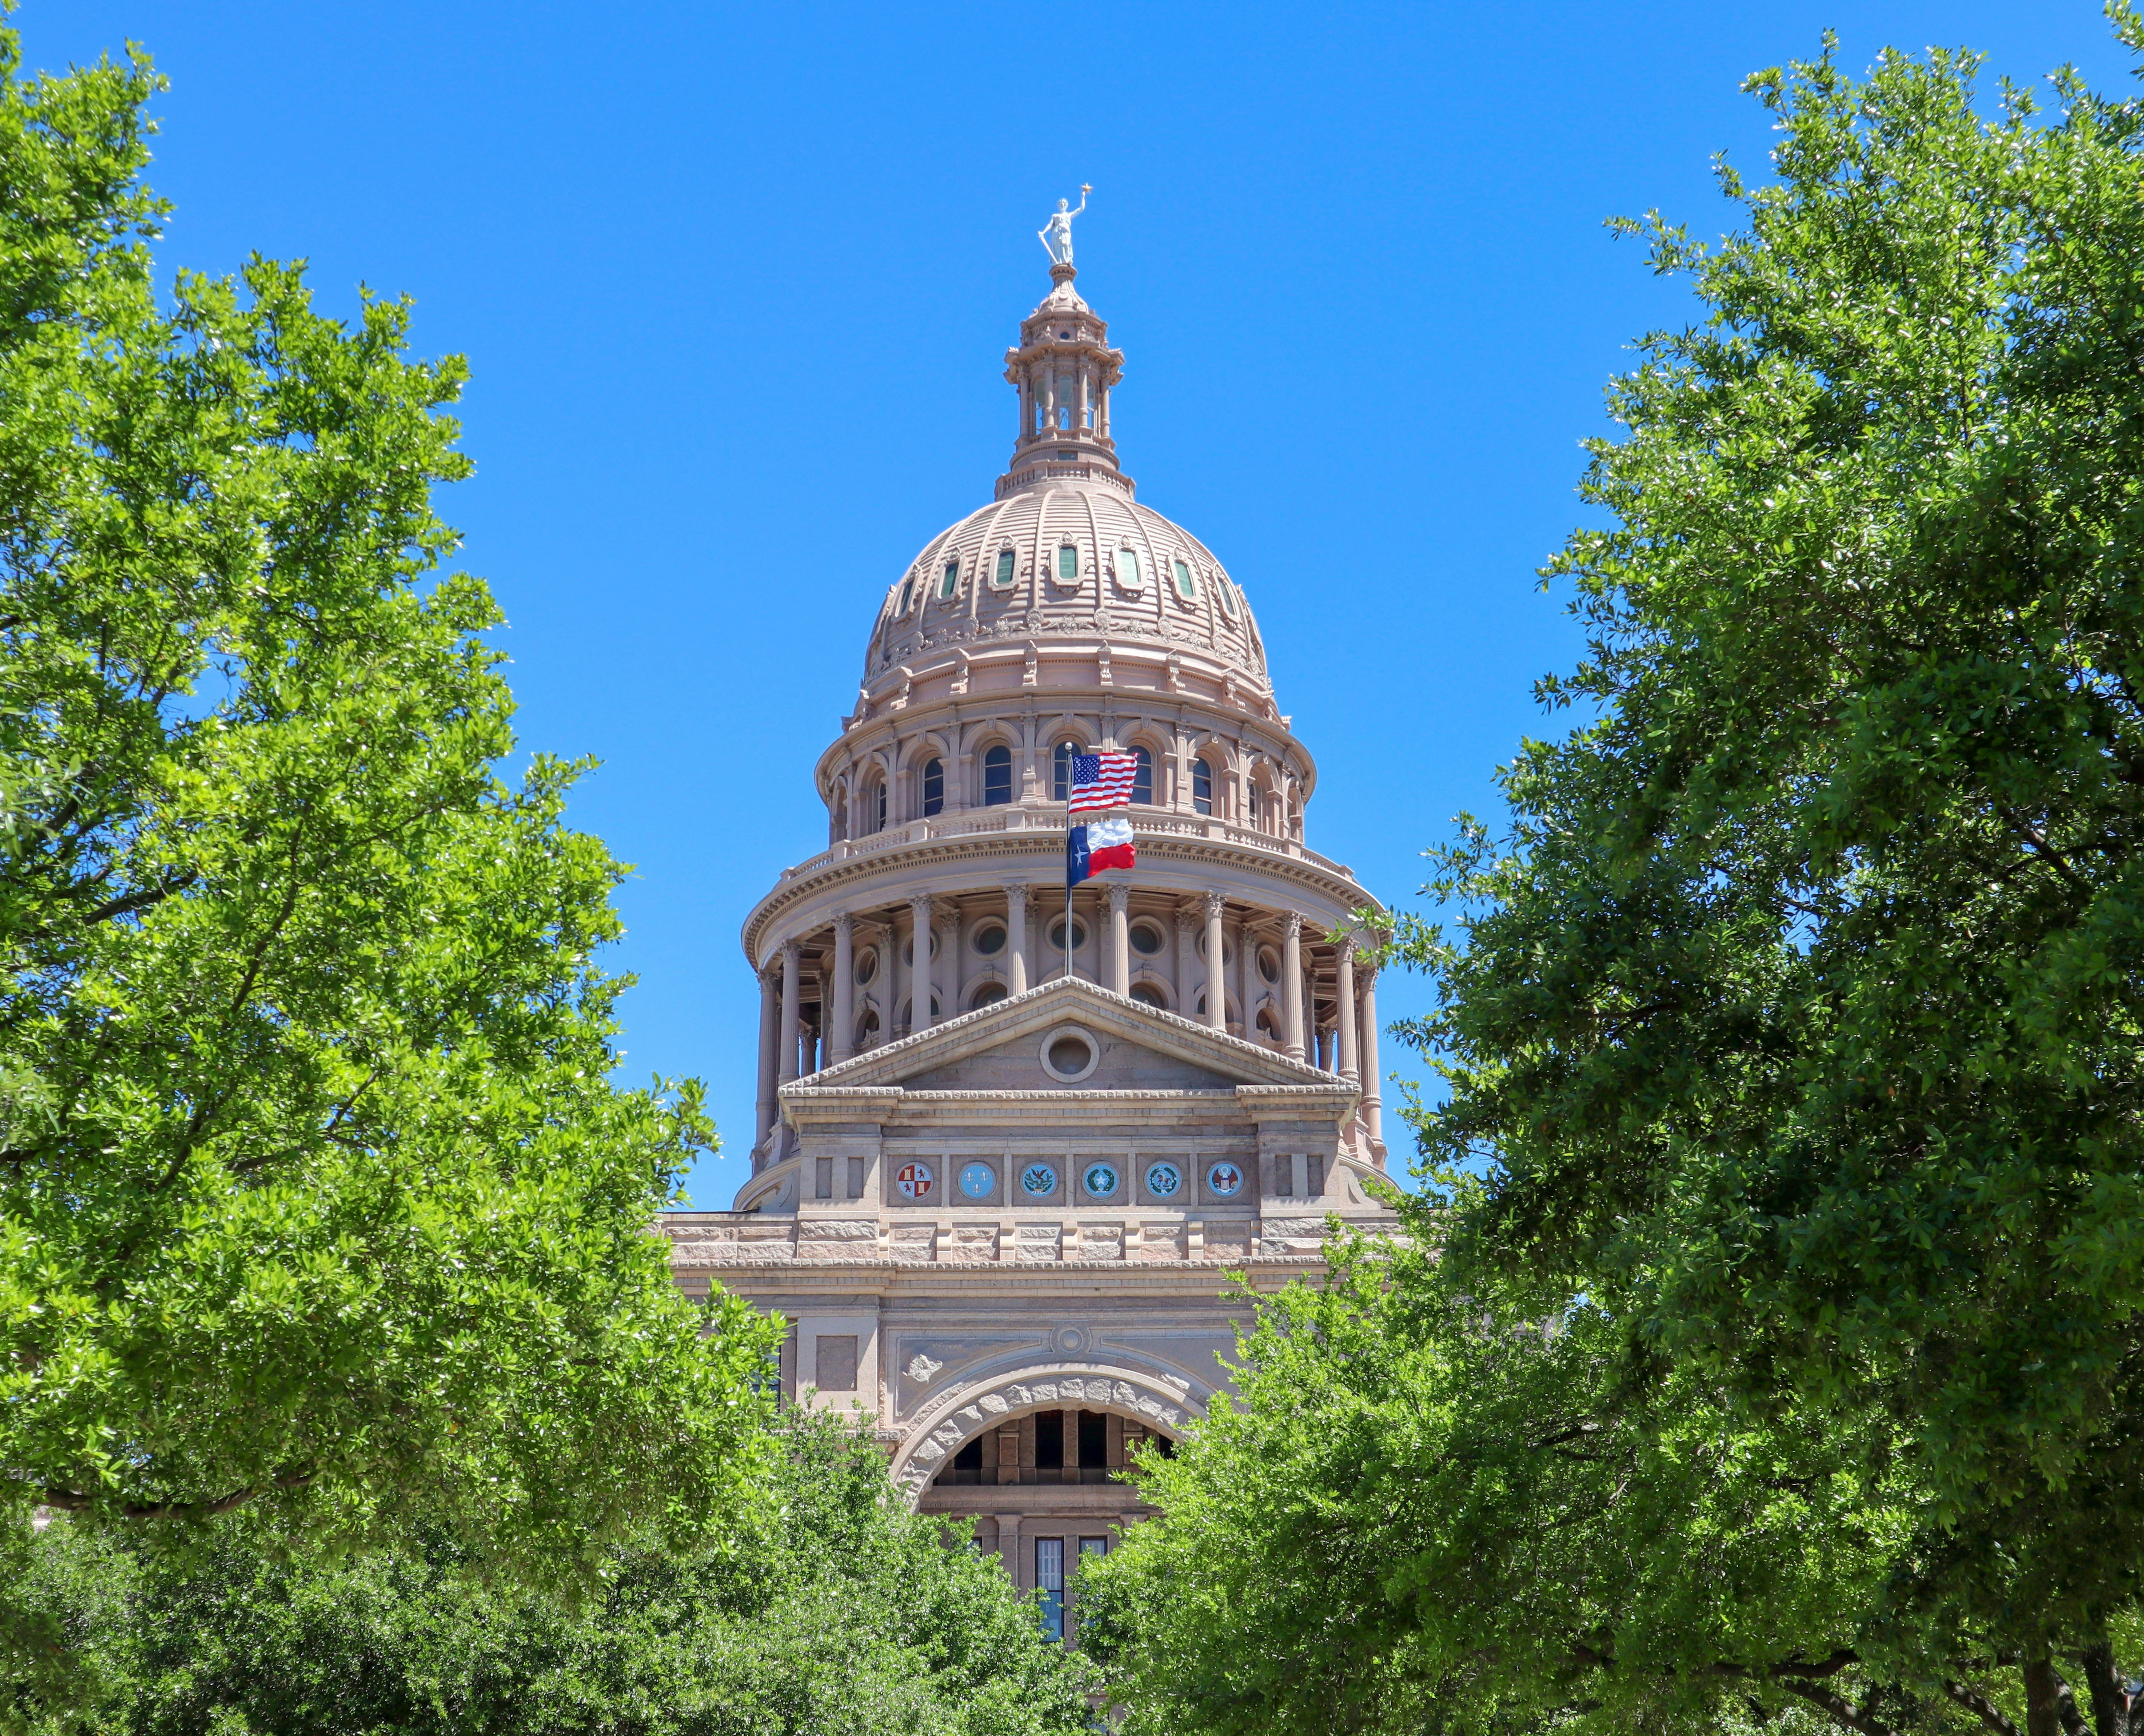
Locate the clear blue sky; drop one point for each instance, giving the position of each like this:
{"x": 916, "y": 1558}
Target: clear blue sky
{"x": 735, "y": 282}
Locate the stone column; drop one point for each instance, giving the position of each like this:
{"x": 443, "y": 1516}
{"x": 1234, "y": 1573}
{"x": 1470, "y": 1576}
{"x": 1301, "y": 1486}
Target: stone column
{"x": 1246, "y": 976}
{"x": 1008, "y": 1547}
{"x": 770, "y": 1052}
{"x": 841, "y": 1039}
{"x": 1120, "y": 939}
{"x": 1291, "y": 978}
{"x": 1016, "y": 938}
{"x": 1346, "y": 1061}
{"x": 792, "y": 1018}
{"x": 1372, "y": 1104}
{"x": 956, "y": 961}
{"x": 918, "y": 976}
{"x": 1186, "y": 979}
{"x": 898, "y": 977}
{"x": 1217, "y": 981}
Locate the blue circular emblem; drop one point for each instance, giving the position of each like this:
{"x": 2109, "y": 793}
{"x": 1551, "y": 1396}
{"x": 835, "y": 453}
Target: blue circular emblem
{"x": 1224, "y": 1179}
{"x": 1099, "y": 1179}
{"x": 1162, "y": 1179}
{"x": 977, "y": 1180}
{"x": 1038, "y": 1179}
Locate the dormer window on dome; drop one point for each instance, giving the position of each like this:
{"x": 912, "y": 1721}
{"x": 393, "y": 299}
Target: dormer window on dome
{"x": 1187, "y": 586}
{"x": 1001, "y": 579}
{"x": 1128, "y": 571}
{"x": 949, "y": 582}
{"x": 1068, "y": 563}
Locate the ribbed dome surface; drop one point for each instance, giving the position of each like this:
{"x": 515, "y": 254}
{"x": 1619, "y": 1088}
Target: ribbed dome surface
{"x": 1011, "y": 580}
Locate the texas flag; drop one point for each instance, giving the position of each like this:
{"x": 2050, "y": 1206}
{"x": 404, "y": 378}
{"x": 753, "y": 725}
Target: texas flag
{"x": 1096, "y": 847}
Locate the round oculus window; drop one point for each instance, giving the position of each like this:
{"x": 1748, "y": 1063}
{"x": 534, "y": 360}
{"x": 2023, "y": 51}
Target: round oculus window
{"x": 1057, "y": 934}
{"x": 989, "y": 939}
{"x": 1163, "y": 1180}
{"x": 1268, "y": 963}
{"x": 867, "y": 964}
{"x": 977, "y": 1180}
{"x": 1038, "y": 1180}
{"x": 1225, "y": 1181}
{"x": 914, "y": 1180}
{"x": 1069, "y": 1054}
{"x": 1099, "y": 1180}
{"x": 1147, "y": 939}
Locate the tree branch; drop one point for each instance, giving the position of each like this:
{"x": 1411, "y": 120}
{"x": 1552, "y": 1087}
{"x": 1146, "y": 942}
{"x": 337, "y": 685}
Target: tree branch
{"x": 1981, "y": 1707}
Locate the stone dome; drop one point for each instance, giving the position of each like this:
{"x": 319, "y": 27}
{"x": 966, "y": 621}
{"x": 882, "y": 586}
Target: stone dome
{"x": 1066, "y": 554}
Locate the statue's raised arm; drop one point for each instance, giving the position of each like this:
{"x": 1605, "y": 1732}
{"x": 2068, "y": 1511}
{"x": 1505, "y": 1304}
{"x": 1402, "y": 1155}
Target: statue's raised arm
{"x": 1056, "y": 234}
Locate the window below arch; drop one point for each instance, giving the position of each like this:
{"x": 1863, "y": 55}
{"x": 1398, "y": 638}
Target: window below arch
{"x": 988, "y": 995}
{"x": 934, "y": 787}
{"x": 1147, "y": 995}
{"x": 997, "y": 775}
{"x": 1202, "y": 787}
{"x": 1060, "y": 771}
{"x": 1142, "y": 777}
{"x": 1250, "y": 801}
{"x": 874, "y": 808}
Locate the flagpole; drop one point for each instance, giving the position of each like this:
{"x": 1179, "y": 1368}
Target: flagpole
{"x": 1068, "y": 924}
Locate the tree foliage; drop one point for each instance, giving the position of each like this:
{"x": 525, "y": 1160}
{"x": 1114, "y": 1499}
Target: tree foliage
{"x": 316, "y": 1196}
{"x": 824, "y": 1605}
{"x": 1795, "y": 1021}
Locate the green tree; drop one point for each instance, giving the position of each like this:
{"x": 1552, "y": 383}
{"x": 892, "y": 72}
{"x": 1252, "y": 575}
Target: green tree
{"x": 823, "y": 1606}
{"x": 316, "y": 1198}
{"x": 1799, "y": 1017}
{"x": 1428, "y": 1512}
{"x": 1793, "y": 1026}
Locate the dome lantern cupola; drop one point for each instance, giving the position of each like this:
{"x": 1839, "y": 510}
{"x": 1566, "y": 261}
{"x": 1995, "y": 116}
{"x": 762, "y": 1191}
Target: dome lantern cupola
{"x": 1063, "y": 371}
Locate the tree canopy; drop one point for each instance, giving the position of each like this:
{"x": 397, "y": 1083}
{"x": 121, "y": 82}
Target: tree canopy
{"x": 1794, "y": 1021}
{"x": 317, "y": 1198}
{"x": 820, "y": 1605}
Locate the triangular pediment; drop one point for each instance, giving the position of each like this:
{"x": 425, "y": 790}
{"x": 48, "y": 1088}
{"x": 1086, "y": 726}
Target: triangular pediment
{"x": 1002, "y": 1047}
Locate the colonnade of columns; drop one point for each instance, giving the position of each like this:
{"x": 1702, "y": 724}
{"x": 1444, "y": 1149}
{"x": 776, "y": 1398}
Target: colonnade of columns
{"x": 1352, "y": 1050}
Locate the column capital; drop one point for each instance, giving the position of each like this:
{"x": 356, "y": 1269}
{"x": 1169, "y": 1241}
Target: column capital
{"x": 844, "y": 922}
{"x": 1211, "y": 905}
{"x": 1292, "y": 925}
{"x": 791, "y": 949}
{"x": 1120, "y": 898}
{"x": 1187, "y": 916}
{"x": 920, "y": 903}
{"x": 1346, "y": 950}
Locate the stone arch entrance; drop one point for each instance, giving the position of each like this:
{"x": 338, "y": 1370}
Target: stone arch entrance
{"x": 1162, "y": 1403}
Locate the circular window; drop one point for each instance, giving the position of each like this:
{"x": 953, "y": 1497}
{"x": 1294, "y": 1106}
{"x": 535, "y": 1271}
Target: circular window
{"x": 1099, "y": 1180}
{"x": 1147, "y": 995}
{"x": 1228, "y": 946}
{"x": 1147, "y": 939}
{"x": 977, "y": 1180}
{"x": 989, "y": 995}
{"x": 867, "y": 964}
{"x": 1162, "y": 1180}
{"x": 1225, "y": 1181}
{"x": 908, "y": 948}
{"x": 1057, "y": 934}
{"x": 1038, "y": 1180}
{"x": 1069, "y": 1054}
{"x": 1268, "y": 963}
{"x": 989, "y": 939}
{"x": 914, "y": 1180}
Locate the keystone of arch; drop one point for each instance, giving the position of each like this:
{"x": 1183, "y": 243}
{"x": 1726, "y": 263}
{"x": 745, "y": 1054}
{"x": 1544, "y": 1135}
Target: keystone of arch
{"x": 1168, "y": 1404}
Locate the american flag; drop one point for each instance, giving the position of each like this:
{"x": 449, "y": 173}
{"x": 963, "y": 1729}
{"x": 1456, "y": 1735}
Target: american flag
{"x": 1102, "y": 781}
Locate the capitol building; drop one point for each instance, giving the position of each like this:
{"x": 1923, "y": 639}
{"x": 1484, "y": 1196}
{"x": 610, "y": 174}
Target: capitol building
{"x": 1006, "y": 1162}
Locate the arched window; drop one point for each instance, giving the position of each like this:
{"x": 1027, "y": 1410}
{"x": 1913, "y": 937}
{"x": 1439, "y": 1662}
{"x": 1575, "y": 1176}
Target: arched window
{"x": 1202, "y": 787}
{"x": 1142, "y": 777}
{"x": 997, "y": 777}
{"x": 1251, "y": 800}
{"x": 875, "y": 806}
{"x": 989, "y": 995}
{"x": 1060, "y": 771}
{"x": 934, "y": 786}
{"x": 1146, "y": 995}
